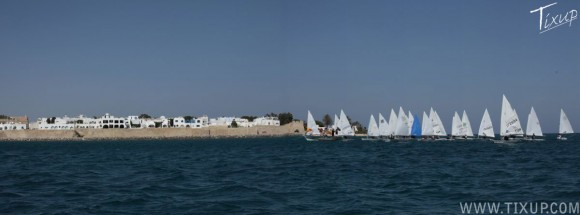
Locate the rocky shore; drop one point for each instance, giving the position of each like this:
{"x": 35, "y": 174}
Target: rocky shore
{"x": 294, "y": 128}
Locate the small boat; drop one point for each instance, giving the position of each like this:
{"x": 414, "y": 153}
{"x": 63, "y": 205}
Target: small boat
{"x": 427, "y": 128}
{"x": 402, "y": 129}
{"x": 373, "y": 130}
{"x": 457, "y": 130}
{"x": 486, "y": 128}
{"x": 533, "y": 129}
{"x": 438, "y": 128}
{"x": 383, "y": 128}
{"x": 391, "y": 127}
{"x": 344, "y": 128}
{"x": 510, "y": 127}
{"x": 312, "y": 130}
{"x": 565, "y": 126}
{"x": 416, "y": 128}
{"x": 467, "y": 131}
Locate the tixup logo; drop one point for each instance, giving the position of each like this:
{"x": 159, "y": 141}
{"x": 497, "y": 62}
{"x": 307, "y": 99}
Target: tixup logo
{"x": 549, "y": 22}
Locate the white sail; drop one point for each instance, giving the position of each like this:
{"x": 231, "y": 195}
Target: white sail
{"x": 533, "y": 128}
{"x": 392, "y": 123}
{"x": 444, "y": 133}
{"x": 402, "y": 126}
{"x": 486, "y": 128}
{"x": 335, "y": 123}
{"x": 467, "y": 131}
{"x": 373, "y": 129}
{"x": 427, "y": 125}
{"x": 311, "y": 127}
{"x": 383, "y": 126}
{"x": 344, "y": 126}
{"x": 565, "y": 126}
{"x": 456, "y": 126}
{"x": 510, "y": 123}
{"x": 410, "y": 121}
{"x": 438, "y": 128}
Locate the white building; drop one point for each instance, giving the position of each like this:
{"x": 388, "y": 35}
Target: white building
{"x": 227, "y": 121}
{"x": 133, "y": 122}
{"x": 55, "y": 123}
{"x": 180, "y": 122}
{"x": 108, "y": 121}
{"x": 13, "y": 123}
{"x": 273, "y": 121}
{"x": 12, "y": 126}
{"x": 66, "y": 123}
{"x": 162, "y": 121}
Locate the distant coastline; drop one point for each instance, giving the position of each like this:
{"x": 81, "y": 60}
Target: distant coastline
{"x": 293, "y": 128}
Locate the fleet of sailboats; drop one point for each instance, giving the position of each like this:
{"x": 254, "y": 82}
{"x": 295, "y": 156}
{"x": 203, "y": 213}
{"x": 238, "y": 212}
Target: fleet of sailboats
{"x": 403, "y": 127}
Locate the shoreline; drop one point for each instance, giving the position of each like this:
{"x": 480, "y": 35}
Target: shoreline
{"x": 291, "y": 129}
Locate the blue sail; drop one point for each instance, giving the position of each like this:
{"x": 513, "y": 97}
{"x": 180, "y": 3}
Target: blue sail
{"x": 416, "y": 128}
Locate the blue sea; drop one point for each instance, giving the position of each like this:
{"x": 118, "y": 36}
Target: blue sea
{"x": 280, "y": 176}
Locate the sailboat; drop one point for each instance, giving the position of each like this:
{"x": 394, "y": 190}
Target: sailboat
{"x": 392, "y": 124}
{"x": 486, "y": 128}
{"x": 565, "y": 126}
{"x": 467, "y": 131}
{"x": 344, "y": 128}
{"x": 438, "y": 128}
{"x": 373, "y": 130}
{"x": 334, "y": 126}
{"x": 457, "y": 127}
{"x": 533, "y": 129}
{"x": 402, "y": 129}
{"x": 427, "y": 127}
{"x": 416, "y": 128}
{"x": 510, "y": 127}
{"x": 312, "y": 131}
{"x": 383, "y": 126}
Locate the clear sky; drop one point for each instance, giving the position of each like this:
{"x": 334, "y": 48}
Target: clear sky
{"x": 253, "y": 57}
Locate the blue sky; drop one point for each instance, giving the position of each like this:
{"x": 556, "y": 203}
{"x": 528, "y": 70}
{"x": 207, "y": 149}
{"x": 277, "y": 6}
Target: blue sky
{"x": 253, "y": 57}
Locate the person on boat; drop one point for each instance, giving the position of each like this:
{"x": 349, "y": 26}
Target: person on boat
{"x": 533, "y": 136}
{"x": 332, "y": 131}
{"x": 506, "y": 138}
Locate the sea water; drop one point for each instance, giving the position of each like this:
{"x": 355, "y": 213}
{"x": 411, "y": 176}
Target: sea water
{"x": 280, "y": 175}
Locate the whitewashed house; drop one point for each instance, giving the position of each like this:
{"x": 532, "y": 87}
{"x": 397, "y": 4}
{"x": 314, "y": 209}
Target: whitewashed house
{"x": 55, "y": 123}
{"x": 164, "y": 122}
{"x": 180, "y": 122}
{"x": 133, "y": 122}
{"x": 12, "y": 126}
{"x": 227, "y": 121}
{"x": 273, "y": 121}
{"x": 14, "y": 123}
{"x": 108, "y": 121}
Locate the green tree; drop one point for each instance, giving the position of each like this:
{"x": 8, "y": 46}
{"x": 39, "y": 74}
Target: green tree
{"x": 234, "y": 124}
{"x": 327, "y": 120}
{"x": 144, "y": 116}
{"x": 249, "y": 118}
{"x": 4, "y": 117}
{"x": 285, "y": 118}
{"x": 319, "y": 123}
{"x": 271, "y": 115}
{"x": 188, "y": 118}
